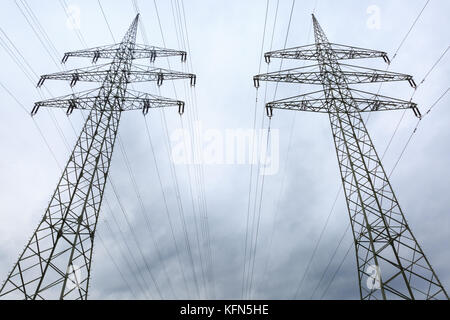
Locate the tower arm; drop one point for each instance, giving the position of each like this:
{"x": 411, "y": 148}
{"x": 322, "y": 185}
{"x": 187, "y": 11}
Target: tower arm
{"x": 107, "y": 52}
{"x": 136, "y": 74}
{"x": 349, "y": 74}
{"x": 363, "y": 102}
{"x": 342, "y": 52}
{"x": 140, "y": 51}
{"x": 89, "y": 100}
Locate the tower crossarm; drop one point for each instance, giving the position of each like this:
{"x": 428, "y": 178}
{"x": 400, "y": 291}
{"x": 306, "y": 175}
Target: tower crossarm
{"x": 309, "y": 52}
{"x": 364, "y": 102}
{"x": 136, "y": 73}
{"x": 348, "y": 73}
{"x": 90, "y": 100}
{"x": 140, "y": 51}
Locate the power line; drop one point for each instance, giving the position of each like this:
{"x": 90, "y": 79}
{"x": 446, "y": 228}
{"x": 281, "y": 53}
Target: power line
{"x": 35, "y": 124}
{"x": 106, "y": 20}
{"x": 136, "y": 189}
{"x": 415, "y": 130}
{"x": 331, "y": 259}
{"x": 142, "y": 283}
{"x": 127, "y": 164}
{"x": 99, "y": 174}
{"x": 257, "y": 220}
{"x": 412, "y": 95}
{"x": 37, "y": 34}
{"x": 277, "y": 206}
{"x": 166, "y": 206}
{"x": 189, "y": 176}
{"x": 313, "y": 254}
{"x": 77, "y": 31}
{"x": 259, "y": 211}
{"x": 252, "y": 159}
{"x": 200, "y": 169}
{"x": 25, "y": 67}
{"x": 409, "y": 31}
{"x": 400, "y": 46}
{"x": 111, "y": 258}
{"x": 146, "y": 218}
{"x": 337, "y": 270}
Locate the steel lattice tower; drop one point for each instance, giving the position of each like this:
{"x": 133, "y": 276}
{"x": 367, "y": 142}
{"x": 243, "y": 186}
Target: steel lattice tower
{"x": 56, "y": 262}
{"x": 388, "y": 257}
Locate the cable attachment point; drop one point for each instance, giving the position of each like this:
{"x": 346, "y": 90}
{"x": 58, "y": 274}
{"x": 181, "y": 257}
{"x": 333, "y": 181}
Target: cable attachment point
{"x": 183, "y": 56}
{"x": 41, "y": 82}
{"x": 96, "y": 57}
{"x": 193, "y": 80}
{"x": 72, "y": 106}
{"x": 35, "y": 110}
{"x": 269, "y": 111}
{"x": 256, "y": 82}
{"x": 417, "y": 112}
{"x": 181, "y": 107}
{"x": 152, "y": 56}
{"x": 75, "y": 79}
{"x": 146, "y": 107}
{"x": 160, "y": 79}
{"x": 412, "y": 83}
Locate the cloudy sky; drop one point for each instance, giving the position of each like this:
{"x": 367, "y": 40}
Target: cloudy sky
{"x": 225, "y": 39}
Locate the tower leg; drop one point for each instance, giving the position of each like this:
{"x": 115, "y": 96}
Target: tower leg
{"x": 57, "y": 260}
{"x": 390, "y": 262}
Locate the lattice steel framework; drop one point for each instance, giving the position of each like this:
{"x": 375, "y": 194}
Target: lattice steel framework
{"x": 56, "y": 262}
{"x": 390, "y": 262}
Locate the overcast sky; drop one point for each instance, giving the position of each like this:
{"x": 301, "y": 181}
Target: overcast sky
{"x": 225, "y": 40}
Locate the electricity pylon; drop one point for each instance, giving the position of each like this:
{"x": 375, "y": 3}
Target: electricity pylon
{"x": 390, "y": 262}
{"x": 56, "y": 262}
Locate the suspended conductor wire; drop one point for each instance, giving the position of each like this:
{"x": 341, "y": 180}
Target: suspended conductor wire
{"x": 415, "y": 130}
{"x": 337, "y": 270}
{"x": 284, "y": 175}
{"x": 400, "y": 46}
{"x": 168, "y": 144}
{"x": 111, "y": 258}
{"x": 262, "y": 124}
{"x": 206, "y": 261}
{"x": 159, "y": 177}
{"x": 410, "y": 29}
{"x": 201, "y": 170}
{"x": 166, "y": 206}
{"x": 244, "y": 272}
